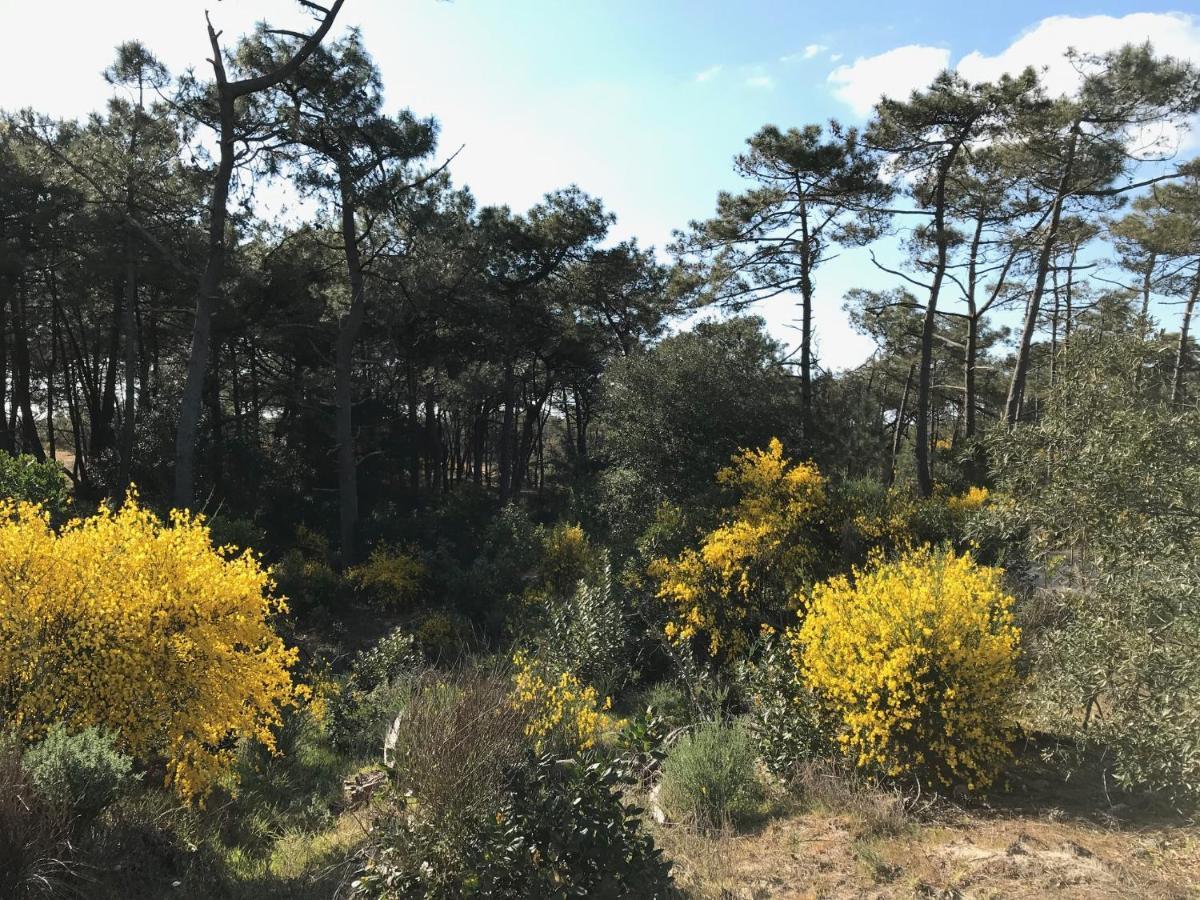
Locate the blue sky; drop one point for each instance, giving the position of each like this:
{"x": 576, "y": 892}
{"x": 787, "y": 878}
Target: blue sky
{"x": 641, "y": 103}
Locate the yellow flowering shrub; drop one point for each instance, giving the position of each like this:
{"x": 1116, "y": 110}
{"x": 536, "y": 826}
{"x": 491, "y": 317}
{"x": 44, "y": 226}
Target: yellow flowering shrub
{"x": 566, "y": 556}
{"x": 563, "y": 711}
{"x": 442, "y": 637}
{"x": 122, "y": 622}
{"x": 394, "y": 577}
{"x": 753, "y": 566}
{"x": 885, "y": 520}
{"x": 915, "y": 659}
{"x": 968, "y": 501}
{"x": 894, "y": 519}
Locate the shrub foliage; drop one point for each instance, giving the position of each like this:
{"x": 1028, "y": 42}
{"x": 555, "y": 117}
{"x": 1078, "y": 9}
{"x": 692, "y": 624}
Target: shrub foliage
{"x": 751, "y": 568}
{"x": 122, "y": 622}
{"x": 915, "y": 660}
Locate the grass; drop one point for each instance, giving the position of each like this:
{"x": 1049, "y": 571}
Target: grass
{"x": 1047, "y": 837}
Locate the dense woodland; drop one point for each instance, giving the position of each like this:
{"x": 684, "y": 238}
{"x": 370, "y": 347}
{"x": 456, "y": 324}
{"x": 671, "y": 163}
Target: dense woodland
{"x": 483, "y": 447}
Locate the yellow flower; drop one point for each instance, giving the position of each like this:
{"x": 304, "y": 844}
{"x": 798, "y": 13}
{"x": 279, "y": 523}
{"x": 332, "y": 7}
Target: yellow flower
{"x": 760, "y": 554}
{"x": 563, "y": 711}
{"x": 121, "y": 621}
{"x": 968, "y": 501}
{"x": 917, "y": 660}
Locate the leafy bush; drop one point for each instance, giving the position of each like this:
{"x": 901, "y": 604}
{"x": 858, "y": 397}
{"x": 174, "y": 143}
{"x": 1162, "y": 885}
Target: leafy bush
{"x": 784, "y": 717}
{"x": 241, "y": 534}
{"x": 874, "y": 518}
{"x": 749, "y": 570}
{"x": 1097, "y": 502}
{"x": 558, "y": 831}
{"x": 391, "y": 577}
{"x": 709, "y": 777}
{"x": 444, "y": 638}
{"x": 566, "y": 557}
{"x": 915, "y": 660}
{"x": 641, "y": 746}
{"x": 309, "y": 584}
{"x": 84, "y": 772}
{"x": 121, "y": 622}
{"x": 373, "y": 693}
{"x": 358, "y": 719}
{"x": 23, "y": 478}
{"x": 563, "y": 711}
{"x": 587, "y": 633}
{"x": 393, "y": 656}
{"x": 669, "y": 700}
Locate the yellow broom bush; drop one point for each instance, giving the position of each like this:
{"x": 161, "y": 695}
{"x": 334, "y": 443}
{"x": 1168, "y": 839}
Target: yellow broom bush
{"x": 915, "y": 659}
{"x": 563, "y": 711}
{"x": 752, "y": 568}
{"x": 121, "y": 621}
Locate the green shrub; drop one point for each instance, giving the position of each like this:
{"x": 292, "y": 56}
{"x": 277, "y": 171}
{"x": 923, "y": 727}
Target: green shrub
{"x": 242, "y": 534}
{"x": 83, "y": 771}
{"x": 710, "y": 778}
{"x": 373, "y": 692}
{"x": 1097, "y": 499}
{"x": 444, "y": 638}
{"x": 309, "y": 584}
{"x": 587, "y": 633}
{"x": 557, "y": 831}
{"x": 394, "y": 656}
{"x": 784, "y": 717}
{"x": 24, "y": 478}
{"x": 669, "y": 701}
{"x": 641, "y": 745}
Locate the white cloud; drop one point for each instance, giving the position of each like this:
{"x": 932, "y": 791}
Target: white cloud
{"x": 834, "y": 57}
{"x": 709, "y": 74}
{"x": 808, "y": 52}
{"x": 760, "y": 81}
{"x": 896, "y": 73}
{"x": 1043, "y": 45}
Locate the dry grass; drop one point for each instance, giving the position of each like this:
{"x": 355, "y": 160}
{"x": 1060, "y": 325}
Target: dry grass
{"x": 455, "y": 740}
{"x": 844, "y": 838}
{"x": 35, "y": 849}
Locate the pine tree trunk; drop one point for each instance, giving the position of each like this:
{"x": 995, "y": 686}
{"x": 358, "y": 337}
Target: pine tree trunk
{"x": 1181, "y": 351}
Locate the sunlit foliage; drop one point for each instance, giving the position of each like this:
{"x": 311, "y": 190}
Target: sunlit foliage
{"x": 147, "y": 629}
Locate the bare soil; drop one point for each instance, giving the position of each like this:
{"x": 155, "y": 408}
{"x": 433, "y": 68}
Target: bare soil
{"x": 1040, "y": 836}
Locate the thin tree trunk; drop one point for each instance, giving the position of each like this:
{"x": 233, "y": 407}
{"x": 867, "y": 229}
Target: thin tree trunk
{"x": 898, "y": 427}
{"x": 209, "y": 287}
{"x": 347, "y": 337}
{"x": 22, "y": 382}
{"x": 928, "y": 327}
{"x": 414, "y": 451}
{"x": 806, "y": 313}
{"x": 129, "y": 413}
{"x": 1147, "y": 284}
{"x": 7, "y": 442}
{"x": 207, "y": 294}
{"x": 507, "y": 433}
{"x": 1016, "y": 390}
{"x": 1181, "y": 351}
